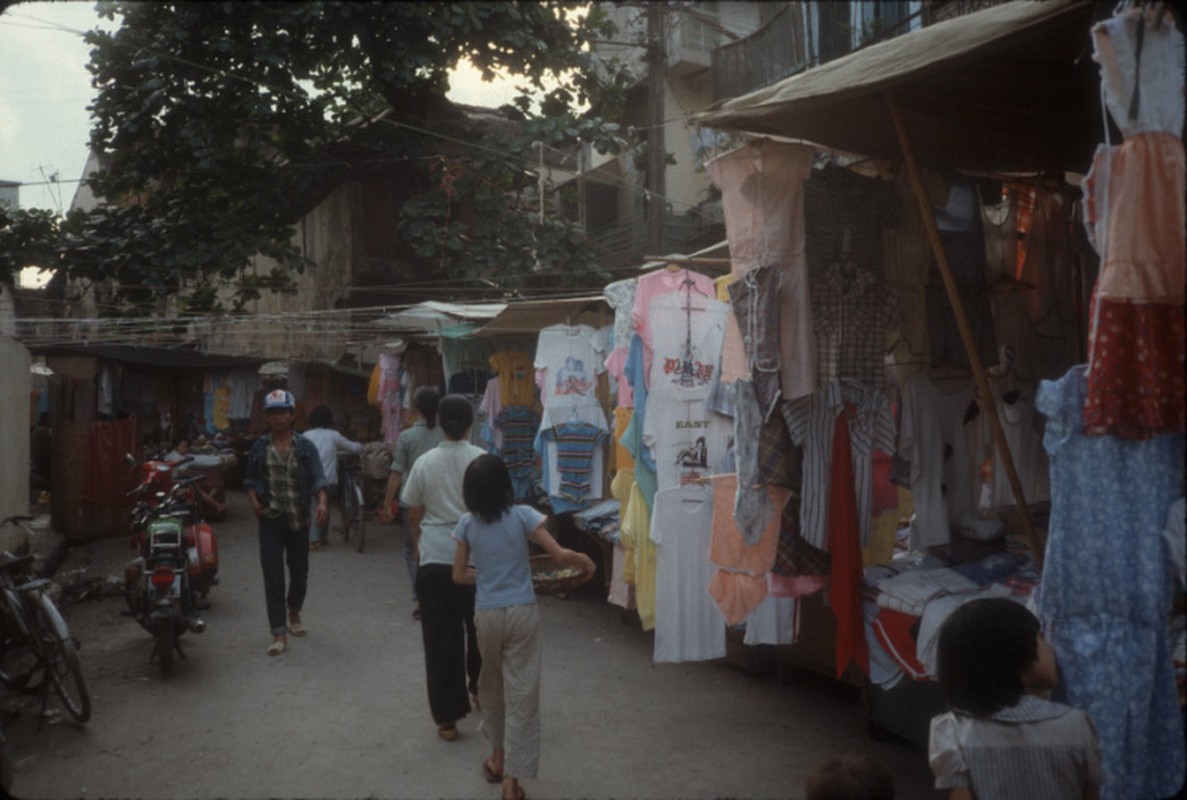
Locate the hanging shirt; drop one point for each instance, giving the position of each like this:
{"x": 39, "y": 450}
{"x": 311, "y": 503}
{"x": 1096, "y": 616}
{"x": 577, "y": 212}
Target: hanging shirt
{"x": 519, "y": 425}
{"x": 762, "y": 199}
{"x": 688, "y": 625}
{"x": 572, "y": 362}
{"x": 688, "y": 440}
{"x": 1020, "y": 428}
{"x": 657, "y": 284}
{"x": 636, "y": 533}
{"x": 940, "y": 437}
{"x": 811, "y": 422}
{"x": 516, "y": 377}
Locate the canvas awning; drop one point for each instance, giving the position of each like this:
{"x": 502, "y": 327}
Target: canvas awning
{"x": 1011, "y": 88}
{"x": 433, "y": 316}
{"x": 529, "y": 316}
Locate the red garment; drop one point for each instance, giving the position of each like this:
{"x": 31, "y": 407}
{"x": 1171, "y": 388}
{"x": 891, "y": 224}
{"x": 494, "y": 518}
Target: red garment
{"x": 893, "y": 629}
{"x": 1136, "y": 386}
{"x": 844, "y": 546}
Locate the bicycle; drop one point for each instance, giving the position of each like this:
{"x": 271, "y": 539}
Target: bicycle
{"x": 353, "y": 504}
{"x": 32, "y": 621}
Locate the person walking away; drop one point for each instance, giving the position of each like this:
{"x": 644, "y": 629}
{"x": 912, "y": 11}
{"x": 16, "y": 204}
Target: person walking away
{"x": 414, "y": 441}
{"x": 283, "y": 473}
{"x": 494, "y": 536}
{"x": 329, "y": 444}
{"x": 849, "y": 777}
{"x": 1001, "y": 738}
{"x": 432, "y": 493}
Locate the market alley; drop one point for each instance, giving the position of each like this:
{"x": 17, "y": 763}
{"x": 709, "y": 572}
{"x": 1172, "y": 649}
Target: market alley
{"x": 343, "y": 713}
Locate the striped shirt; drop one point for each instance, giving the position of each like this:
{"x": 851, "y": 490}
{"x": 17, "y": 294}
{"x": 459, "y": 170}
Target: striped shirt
{"x": 1033, "y": 750}
{"x": 811, "y": 421}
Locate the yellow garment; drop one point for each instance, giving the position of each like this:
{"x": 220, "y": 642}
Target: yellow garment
{"x": 721, "y": 285}
{"x": 879, "y": 548}
{"x": 620, "y": 490}
{"x": 373, "y": 386}
{"x": 517, "y": 377}
{"x": 222, "y": 405}
{"x": 622, "y": 456}
{"x": 636, "y": 527}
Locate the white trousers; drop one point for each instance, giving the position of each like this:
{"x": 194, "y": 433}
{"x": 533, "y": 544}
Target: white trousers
{"x": 509, "y": 685}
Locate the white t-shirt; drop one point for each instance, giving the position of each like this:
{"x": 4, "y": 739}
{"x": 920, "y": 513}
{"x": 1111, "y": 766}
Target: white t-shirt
{"x": 435, "y": 482}
{"x": 687, "y": 331}
{"x": 688, "y": 624}
{"x": 572, "y": 360}
{"x": 687, "y": 440}
{"x": 1021, "y": 430}
{"x": 940, "y": 436}
{"x": 329, "y": 444}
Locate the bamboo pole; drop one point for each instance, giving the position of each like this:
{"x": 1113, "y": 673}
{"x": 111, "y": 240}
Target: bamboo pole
{"x": 962, "y": 323}
{"x": 721, "y": 262}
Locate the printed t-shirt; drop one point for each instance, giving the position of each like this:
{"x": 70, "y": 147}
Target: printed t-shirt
{"x": 516, "y": 378}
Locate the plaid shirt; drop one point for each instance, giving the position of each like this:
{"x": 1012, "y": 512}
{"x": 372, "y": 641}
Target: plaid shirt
{"x": 851, "y": 312}
{"x": 284, "y": 499}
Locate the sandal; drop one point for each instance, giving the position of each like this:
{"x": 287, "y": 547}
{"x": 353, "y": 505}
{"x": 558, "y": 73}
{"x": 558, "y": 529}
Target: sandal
{"x": 315, "y": 547}
{"x": 519, "y": 794}
{"x": 277, "y": 647}
{"x": 448, "y": 731}
{"x": 489, "y": 773}
{"x": 297, "y": 629}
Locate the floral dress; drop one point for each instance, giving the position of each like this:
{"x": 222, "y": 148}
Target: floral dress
{"x": 1106, "y": 589}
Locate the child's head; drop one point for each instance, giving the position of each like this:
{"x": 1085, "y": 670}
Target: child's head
{"x": 486, "y": 488}
{"x": 425, "y": 401}
{"x": 455, "y": 416}
{"x": 849, "y": 777}
{"x": 990, "y": 654}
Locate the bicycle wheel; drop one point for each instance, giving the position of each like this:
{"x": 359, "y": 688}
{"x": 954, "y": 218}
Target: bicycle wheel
{"x": 61, "y": 659}
{"x": 360, "y": 516}
{"x": 166, "y": 636}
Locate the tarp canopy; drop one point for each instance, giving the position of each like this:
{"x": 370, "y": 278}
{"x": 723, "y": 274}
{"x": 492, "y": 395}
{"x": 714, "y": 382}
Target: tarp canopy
{"x": 1011, "y": 88}
{"x": 432, "y": 316}
{"x": 529, "y": 316}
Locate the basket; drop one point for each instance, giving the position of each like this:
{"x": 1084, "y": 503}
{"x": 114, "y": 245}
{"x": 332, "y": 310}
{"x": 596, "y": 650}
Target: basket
{"x": 550, "y": 578}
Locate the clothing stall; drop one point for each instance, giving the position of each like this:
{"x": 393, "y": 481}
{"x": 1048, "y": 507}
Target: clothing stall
{"x": 914, "y": 342}
{"x": 532, "y": 370}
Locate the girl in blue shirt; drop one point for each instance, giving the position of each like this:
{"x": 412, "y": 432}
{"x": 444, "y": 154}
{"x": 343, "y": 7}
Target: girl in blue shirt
{"x": 494, "y": 538}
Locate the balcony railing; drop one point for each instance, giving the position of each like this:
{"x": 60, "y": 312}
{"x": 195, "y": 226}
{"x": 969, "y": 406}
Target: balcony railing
{"x": 773, "y": 52}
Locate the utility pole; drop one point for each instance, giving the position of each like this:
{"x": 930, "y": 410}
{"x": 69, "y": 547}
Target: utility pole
{"x": 657, "y": 60}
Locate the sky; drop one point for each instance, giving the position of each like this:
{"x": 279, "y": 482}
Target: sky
{"x": 45, "y": 89}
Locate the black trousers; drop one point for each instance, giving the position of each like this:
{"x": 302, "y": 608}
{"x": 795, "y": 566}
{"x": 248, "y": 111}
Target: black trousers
{"x": 452, "y": 662}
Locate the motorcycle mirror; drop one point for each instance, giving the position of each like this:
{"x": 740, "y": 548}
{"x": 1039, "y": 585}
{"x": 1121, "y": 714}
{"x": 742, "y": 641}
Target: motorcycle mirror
{"x": 130, "y": 459}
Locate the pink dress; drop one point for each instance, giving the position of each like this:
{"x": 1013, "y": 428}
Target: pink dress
{"x": 1134, "y": 213}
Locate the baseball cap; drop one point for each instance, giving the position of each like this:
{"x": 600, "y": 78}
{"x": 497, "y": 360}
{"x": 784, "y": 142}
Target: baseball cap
{"x": 278, "y": 398}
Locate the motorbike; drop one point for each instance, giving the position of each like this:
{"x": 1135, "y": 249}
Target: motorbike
{"x": 177, "y": 560}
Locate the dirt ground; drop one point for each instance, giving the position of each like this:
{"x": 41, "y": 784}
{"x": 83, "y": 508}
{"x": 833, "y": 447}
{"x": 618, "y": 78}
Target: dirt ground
{"x": 343, "y": 713}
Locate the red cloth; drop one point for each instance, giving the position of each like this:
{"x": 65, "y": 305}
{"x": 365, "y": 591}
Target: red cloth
{"x": 893, "y": 629}
{"x": 844, "y": 545}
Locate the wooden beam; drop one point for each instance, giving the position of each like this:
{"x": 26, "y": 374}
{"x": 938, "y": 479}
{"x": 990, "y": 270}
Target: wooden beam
{"x": 962, "y": 323}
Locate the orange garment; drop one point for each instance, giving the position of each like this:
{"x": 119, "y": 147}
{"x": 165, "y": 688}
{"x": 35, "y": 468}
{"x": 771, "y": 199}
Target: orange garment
{"x": 727, "y": 548}
{"x": 740, "y": 585}
{"x": 736, "y": 595}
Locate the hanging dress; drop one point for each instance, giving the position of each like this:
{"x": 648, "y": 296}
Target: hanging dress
{"x": 1134, "y": 213}
{"x": 1106, "y": 590}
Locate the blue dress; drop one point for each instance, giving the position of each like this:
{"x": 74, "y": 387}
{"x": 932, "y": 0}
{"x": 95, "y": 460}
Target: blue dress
{"x": 1106, "y": 589}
